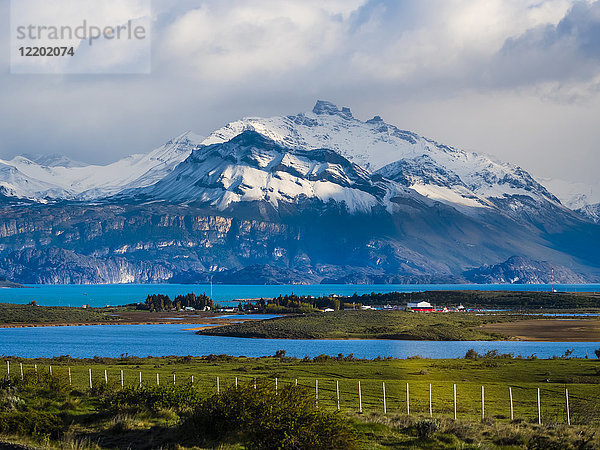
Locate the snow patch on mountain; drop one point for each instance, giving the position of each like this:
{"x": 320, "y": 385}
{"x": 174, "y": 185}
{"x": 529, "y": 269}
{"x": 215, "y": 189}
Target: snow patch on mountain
{"x": 437, "y": 171}
{"x": 574, "y": 195}
{"x": 251, "y": 167}
{"x": 581, "y": 197}
{"x": 52, "y": 160}
{"x": 24, "y": 177}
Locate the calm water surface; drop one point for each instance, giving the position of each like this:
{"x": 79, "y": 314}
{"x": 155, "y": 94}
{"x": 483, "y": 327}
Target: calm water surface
{"x": 120, "y": 294}
{"x": 163, "y": 340}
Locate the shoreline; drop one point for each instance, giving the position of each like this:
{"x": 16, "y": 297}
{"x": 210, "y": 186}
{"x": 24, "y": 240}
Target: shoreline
{"x": 208, "y": 321}
{"x": 208, "y": 326}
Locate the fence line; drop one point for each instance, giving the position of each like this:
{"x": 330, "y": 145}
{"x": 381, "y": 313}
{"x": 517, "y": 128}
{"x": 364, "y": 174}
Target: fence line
{"x": 330, "y": 393}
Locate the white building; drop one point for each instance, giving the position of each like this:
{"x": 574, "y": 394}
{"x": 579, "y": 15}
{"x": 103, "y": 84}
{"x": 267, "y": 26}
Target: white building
{"x": 419, "y": 306}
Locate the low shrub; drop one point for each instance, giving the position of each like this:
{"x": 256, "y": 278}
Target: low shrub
{"x": 152, "y": 397}
{"x": 30, "y": 423}
{"x": 426, "y": 428}
{"x": 263, "y": 418}
{"x": 471, "y": 354}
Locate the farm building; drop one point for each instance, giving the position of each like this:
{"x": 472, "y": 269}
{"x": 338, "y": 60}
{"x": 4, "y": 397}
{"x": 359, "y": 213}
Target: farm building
{"x": 419, "y": 306}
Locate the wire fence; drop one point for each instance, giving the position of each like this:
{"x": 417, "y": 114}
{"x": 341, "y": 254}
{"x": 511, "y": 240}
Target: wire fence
{"x": 545, "y": 403}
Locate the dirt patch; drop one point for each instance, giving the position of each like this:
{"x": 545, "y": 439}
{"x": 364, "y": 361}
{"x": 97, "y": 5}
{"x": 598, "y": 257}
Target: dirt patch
{"x": 549, "y": 330}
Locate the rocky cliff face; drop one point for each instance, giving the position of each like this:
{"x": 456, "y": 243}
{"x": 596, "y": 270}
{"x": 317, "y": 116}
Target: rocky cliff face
{"x": 118, "y": 244}
{"x": 164, "y": 242}
{"x": 519, "y": 270}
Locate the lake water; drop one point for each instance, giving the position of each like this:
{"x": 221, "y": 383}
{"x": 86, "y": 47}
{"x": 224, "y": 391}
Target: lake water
{"x": 120, "y": 294}
{"x": 163, "y": 340}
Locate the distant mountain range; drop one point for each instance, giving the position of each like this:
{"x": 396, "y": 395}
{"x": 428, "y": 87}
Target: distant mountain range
{"x": 309, "y": 198}
{"x": 580, "y": 197}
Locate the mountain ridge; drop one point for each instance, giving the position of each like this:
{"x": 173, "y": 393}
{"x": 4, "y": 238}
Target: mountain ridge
{"x": 319, "y": 196}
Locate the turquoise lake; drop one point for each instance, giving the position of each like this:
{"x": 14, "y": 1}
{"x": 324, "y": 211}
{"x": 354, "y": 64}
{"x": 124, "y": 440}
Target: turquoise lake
{"x": 120, "y": 294}
{"x": 164, "y": 340}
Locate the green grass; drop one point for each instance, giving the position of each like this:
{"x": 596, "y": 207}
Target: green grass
{"x": 11, "y": 313}
{"x": 486, "y": 299}
{"x": 396, "y": 428}
{"x": 524, "y": 376}
{"x": 369, "y": 325}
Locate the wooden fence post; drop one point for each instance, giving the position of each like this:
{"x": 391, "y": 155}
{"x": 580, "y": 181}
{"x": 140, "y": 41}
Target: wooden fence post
{"x": 512, "y": 416}
{"x": 407, "y": 400}
{"x": 173, "y": 378}
{"x": 105, "y": 377}
{"x": 317, "y": 393}
{"x": 454, "y": 401}
{"x": 50, "y": 370}
{"x": 8, "y": 369}
{"x": 337, "y": 392}
{"x": 568, "y": 412}
{"x": 539, "y": 404}
{"x": 482, "y": 403}
{"x": 157, "y": 379}
{"x": 140, "y": 379}
{"x": 236, "y": 383}
{"x": 359, "y": 398}
{"x": 70, "y": 380}
{"x": 21, "y": 365}
{"x": 122, "y": 381}
{"x": 276, "y": 387}
{"x": 430, "y": 406}
{"x": 218, "y": 387}
{"x": 90, "y": 372}
{"x": 384, "y": 402}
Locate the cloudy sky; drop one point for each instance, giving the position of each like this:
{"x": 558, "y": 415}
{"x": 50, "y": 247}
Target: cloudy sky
{"x": 518, "y": 79}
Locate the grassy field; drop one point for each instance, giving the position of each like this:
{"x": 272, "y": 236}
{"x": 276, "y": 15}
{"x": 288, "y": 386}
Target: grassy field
{"x": 518, "y": 300}
{"x": 496, "y": 374}
{"x": 370, "y": 325}
{"x": 28, "y": 314}
{"x": 323, "y": 376}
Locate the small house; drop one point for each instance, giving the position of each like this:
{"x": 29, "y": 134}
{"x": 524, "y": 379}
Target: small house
{"x": 419, "y": 306}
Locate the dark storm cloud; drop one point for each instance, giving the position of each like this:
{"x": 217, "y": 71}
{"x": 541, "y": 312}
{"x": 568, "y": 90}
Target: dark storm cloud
{"x": 470, "y": 73}
{"x": 567, "y": 51}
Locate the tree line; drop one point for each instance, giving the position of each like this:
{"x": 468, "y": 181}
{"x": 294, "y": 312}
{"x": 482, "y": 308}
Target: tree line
{"x": 293, "y": 303}
{"x": 161, "y": 302}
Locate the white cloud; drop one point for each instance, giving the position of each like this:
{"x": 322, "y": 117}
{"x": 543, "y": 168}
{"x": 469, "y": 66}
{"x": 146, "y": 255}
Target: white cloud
{"x": 231, "y": 39}
{"x": 432, "y": 66}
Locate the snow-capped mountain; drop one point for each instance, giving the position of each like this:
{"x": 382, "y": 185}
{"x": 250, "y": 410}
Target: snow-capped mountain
{"x": 253, "y": 168}
{"x": 580, "y": 197}
{"x": 435, "y": 171}
{"x": 592, "y": 212}
{"x": 319, "y": 196}
{"x": 408, "y": 162}
{"x": 52, "y": 160}
{"x": 57, "y": 177}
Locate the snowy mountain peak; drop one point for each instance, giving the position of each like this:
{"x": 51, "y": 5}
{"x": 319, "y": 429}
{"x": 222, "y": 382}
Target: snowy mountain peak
{"x": 57, "y": 177}
{"x": 375, "y": 120}
{"x": 436, "y": 171}
{"x": 52, "y": 160}
{"x": 251, "y": 167}
{"x": 325, "y": 107}
{"x": 186, "y": 138}
{"x": 277, "y": 165}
